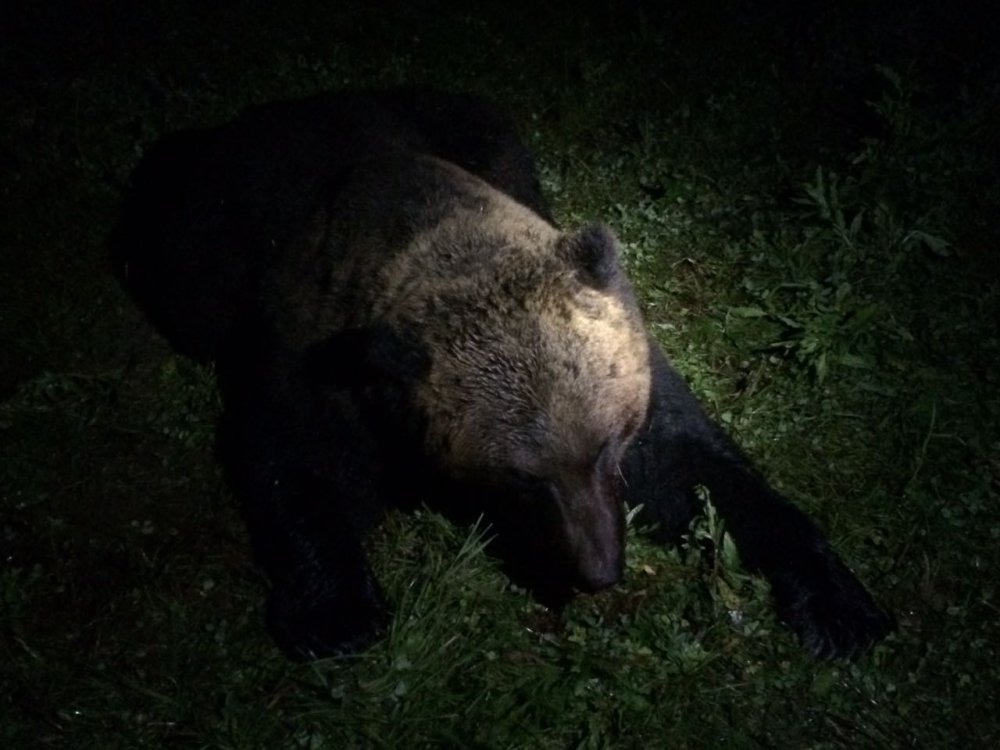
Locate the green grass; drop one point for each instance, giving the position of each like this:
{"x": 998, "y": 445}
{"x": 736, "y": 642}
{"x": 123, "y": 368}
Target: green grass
{"x": 807, "y": 209}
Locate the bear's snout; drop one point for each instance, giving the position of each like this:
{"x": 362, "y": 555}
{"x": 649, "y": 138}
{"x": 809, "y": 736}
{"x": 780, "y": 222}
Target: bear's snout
{"x": 594, "y": 525}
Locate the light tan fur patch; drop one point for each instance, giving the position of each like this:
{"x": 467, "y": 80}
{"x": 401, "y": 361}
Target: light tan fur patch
{"x": 530, "y": 367}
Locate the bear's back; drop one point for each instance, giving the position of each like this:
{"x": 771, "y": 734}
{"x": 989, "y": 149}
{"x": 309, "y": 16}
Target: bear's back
{"x": 210, "y": 212}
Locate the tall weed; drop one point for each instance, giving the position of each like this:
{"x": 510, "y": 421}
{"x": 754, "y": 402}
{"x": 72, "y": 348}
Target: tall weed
{"x": 852, "y": 237}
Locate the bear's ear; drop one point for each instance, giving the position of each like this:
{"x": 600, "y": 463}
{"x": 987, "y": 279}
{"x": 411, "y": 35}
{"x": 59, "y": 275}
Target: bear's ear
{"x": 593, "y": 252}
{"x": 366, "y": 356}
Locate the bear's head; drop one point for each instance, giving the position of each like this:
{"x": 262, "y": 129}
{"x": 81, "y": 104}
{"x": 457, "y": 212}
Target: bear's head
{"x": 537, "y": 379}
{"x": 512, "y": 353}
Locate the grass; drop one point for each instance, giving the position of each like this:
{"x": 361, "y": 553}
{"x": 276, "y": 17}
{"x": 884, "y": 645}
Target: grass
{"x": 807, "y": 210}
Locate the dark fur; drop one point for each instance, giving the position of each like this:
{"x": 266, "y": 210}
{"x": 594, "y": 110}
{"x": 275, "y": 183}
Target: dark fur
{"x": 257, "y": 244}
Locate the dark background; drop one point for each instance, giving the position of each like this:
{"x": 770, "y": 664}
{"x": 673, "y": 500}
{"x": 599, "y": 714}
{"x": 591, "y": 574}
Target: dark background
{"x": 807, "y": 195}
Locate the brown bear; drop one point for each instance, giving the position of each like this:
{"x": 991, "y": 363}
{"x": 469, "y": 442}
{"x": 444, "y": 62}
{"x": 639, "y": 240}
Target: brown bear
{"x": 395, "y": 318}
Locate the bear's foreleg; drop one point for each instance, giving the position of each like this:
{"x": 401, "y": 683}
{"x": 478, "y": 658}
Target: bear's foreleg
{"x": 680, "y": 448}
{"x": 324, "y": 599}
{"x": 302, "y": 470}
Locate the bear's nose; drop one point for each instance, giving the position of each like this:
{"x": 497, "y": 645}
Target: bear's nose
{"x": 594, "y": 528}
{"x": 598, "y": 569}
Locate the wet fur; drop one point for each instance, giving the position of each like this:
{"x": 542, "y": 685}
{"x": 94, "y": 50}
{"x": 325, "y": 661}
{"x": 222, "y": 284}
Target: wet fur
{"x": 395, "y": 318}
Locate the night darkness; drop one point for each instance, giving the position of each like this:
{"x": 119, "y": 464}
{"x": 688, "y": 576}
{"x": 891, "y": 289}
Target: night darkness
{"x": 806, "y": 195}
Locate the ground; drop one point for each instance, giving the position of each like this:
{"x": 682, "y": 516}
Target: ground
{"x": 805, "y": 202}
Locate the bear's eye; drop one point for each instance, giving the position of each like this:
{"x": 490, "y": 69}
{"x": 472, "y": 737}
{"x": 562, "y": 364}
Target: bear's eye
{"x": 612, "y": 450}
{"x": 608, "y": 455}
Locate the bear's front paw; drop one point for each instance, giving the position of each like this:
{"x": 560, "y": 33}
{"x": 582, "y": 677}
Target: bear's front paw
{"x": 829, "y": 609}
{"x": 310, "y": 624}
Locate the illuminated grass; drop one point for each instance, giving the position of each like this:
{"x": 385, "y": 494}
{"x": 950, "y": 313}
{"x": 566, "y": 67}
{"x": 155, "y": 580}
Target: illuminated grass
{"x": 823, "y": 271}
